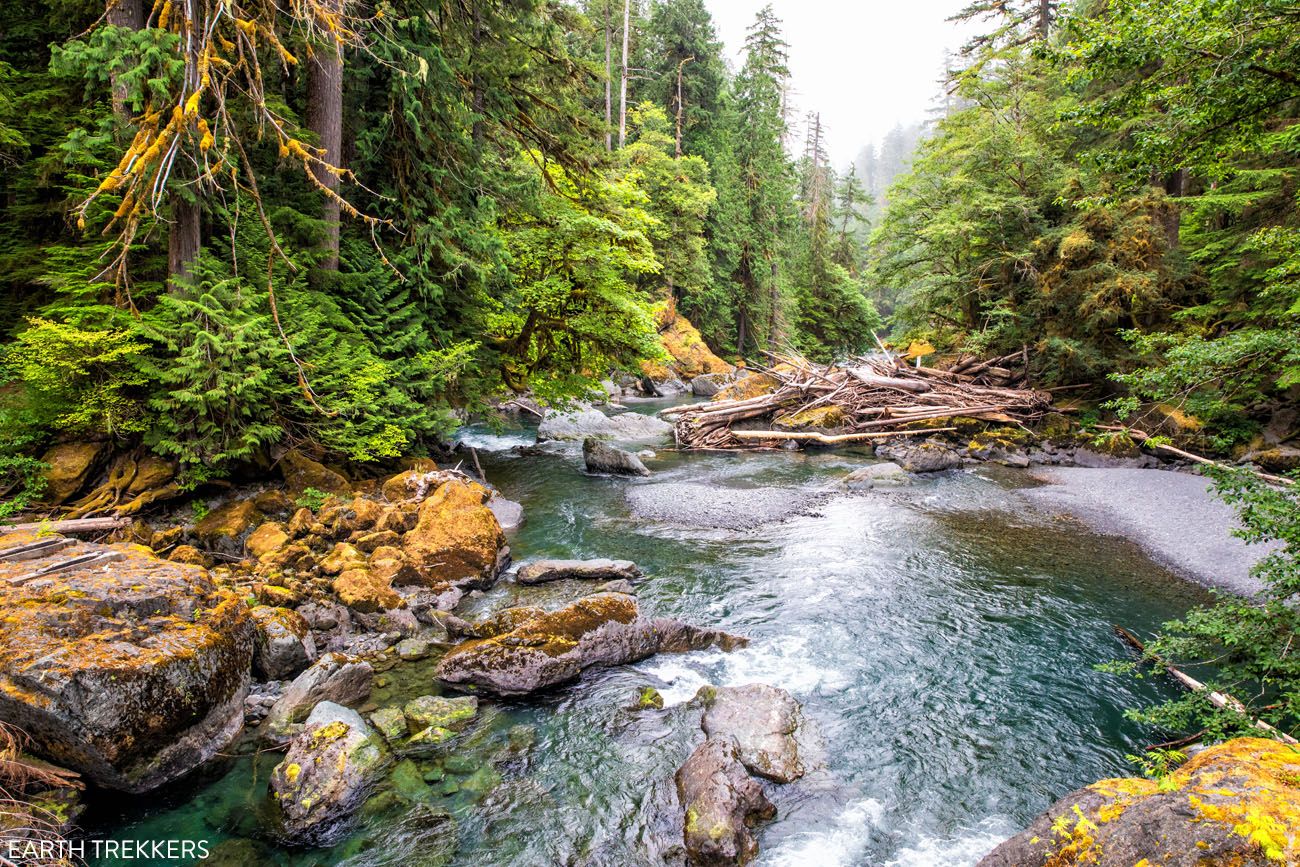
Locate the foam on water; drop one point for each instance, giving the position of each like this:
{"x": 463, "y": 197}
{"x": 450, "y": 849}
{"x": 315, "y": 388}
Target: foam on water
{"x": 961, "y": 850}
{"x": 843, "y": 841}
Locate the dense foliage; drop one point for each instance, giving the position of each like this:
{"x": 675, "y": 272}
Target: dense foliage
{"x": 231, "y": 227}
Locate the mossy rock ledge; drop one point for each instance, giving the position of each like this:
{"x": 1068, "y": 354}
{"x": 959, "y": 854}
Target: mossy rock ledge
{"x": 1237, "y": 804}
{"x": 131, "y": 670}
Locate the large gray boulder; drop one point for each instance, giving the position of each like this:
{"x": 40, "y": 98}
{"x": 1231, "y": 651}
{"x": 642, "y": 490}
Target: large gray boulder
{"x": 721, "y": 801}
{"x": 542, "y": 571}
{"x": 708, "y": 384}
{"x": 129, "y": 669}
{"x": 555, "y": 647}
{"x": 284, "y": 643}
{"x": 601, "y": 457}
{"x": 587, "y": 421}
{"x": 335, "y": 677}
{"x": 763, "y": 720}
{"x": 929, "y": 457}
{"x": 331, "y": 767}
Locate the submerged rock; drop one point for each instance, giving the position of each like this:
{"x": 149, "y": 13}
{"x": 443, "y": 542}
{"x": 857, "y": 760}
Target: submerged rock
{"x": 132, "y": 675}
{"x": 329, "y": 770}
{"x": 555, "y": 647}
{"x": 720, "y": 801}
{"x": 335, "y": 677}
{"x": 541, "y": 571}
{"x": 1236, "y": 803}
{"x": 886, "y": 474}
{"x": 763, "y": 721}
{"x": 587, "y": 421}
{"x": 603, "y": 458}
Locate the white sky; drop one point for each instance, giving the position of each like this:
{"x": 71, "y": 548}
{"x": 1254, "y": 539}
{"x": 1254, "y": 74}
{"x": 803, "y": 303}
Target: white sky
{"x": 864, "y": 64}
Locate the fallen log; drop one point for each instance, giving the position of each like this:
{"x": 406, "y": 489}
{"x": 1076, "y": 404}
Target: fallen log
{"x": 1143, "y": 438}
{"x": 832, "y": 439}
{"x": 74, "y": 525}
{"x": 916, "y": 386}
{"x": 1218, "y": 699}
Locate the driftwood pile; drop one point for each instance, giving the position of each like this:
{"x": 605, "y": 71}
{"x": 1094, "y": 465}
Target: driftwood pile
{"x": 877, "y": 397}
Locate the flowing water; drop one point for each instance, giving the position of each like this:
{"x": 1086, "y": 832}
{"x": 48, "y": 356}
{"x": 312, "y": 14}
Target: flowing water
{"x": 941, "y": 638}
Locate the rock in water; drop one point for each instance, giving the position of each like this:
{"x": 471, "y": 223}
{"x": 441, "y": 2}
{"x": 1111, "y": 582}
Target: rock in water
{"x": 603, "y": 458}
{"x": 335, "y": 677}
{"x": 541, "y": 571}
{"x": 329, "y": 770}
{"x": 1235, "y": 803}
{"x": 587, "y": 421}
{"x": 720, "y": 801}
{"x": 133, "y": 673}
{"x": 883, "y": 474}
{"x": 930, "y": 457}
{"x": 554, "y": 647}
{"x": 763, "y": 720}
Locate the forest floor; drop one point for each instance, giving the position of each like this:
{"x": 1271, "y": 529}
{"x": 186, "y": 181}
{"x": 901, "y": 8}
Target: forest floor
{"x": 1174, "y": 516}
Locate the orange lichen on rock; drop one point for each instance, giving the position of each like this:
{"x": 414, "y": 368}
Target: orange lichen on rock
{"x": 456, "y": 535}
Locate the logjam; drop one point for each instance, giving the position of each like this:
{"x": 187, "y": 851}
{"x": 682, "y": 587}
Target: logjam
{"x": 877, "y": 396}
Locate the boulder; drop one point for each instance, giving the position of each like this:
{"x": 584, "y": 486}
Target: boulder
{"x": 763, "y": 720}
{"x": 1235, "y": 803}
{"x": 284, "y": 646}
{"x": 721, "y": 802}
{"x": 334, "y": 677}
{"x": 883, "y": 474}
{"x": 708, "y": 384}
{"x": 542, "y": 571}
{"x": 691, "y": 356}
{"x": 132, "y": 675}
{"x": 555, "y": 647}
{"x": 509, "y": 514}
{"x": 224, "y": 528}
{"x": 603, "y": 458}
{"x": 71, "y": 466}
{"x": 747, "y": 384}
{"x": 331, "y": 767}
{"x": 411, "y": 485}
{"x": 301, "y": 472}
{"x": 456, "y": 536}
{"x": 435, "y": 711}
{"x": 821, "y": 418}
{"x": 587, "y": 421}
{"x": 366, "y": 591}
{"x": 929, "y": 457}
{"x": 266, "y": 539}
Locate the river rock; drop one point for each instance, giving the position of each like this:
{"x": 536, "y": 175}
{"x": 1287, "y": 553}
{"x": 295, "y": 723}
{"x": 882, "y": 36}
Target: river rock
{"x": 456, "y": 536}
{"x": 928, "y": 457}
{"x": 720, "y": 801}
{"x": 542, "y": 571}
{"x": 440, "y": 712}
{"x": 708, "y": 384}
{"x": 224, "y": 528}
{"x": 603, "y": 458}
{"x": 886, "y": 474}
{"x": 335, "y": 677}
{"x": 284, "y": 645}
{"x": 555, "y": 647}
{"x": 509, "y": 514}
{"x": 70, "y": 468}
{"x": 132, "y": 674}
{"x": 1085, "y": 456}
{"x": 587, "y": 421}
{"x": 1235, "y": 803}
{"x": 301, "y": 472}
{"x": 763, "y": 721}
{"x": 331, "y": 767}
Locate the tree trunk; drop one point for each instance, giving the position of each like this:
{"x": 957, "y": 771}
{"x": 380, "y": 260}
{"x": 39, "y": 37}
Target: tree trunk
{"x": 185, "y": 237}
{"x": 680, "y": 102}
{"x": 609, "y": 80}
{"x": 1175, "y": 185}
{"x": 622, "y": 87}
{"x": 325, "y": 118}
{"x": 128, "y": 14}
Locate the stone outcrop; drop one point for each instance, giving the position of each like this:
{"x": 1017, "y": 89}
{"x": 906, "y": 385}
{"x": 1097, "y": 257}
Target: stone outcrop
{"x": 1236, "y": 803}
{"x": 691, "y": 356}
{"x": 763, "y": 720}
{"x": 331, "y": 767}
{"x": 587, "y": 421}
{"x": 335, "y": 677}
{"x": 601, "y": 457}
{"x": 721, "y": 802}
{"x": 555, "y": 647}
{"x": 71, "y": 466}
{"x": 542, "y": 571}
{"x": 130, "y": 669}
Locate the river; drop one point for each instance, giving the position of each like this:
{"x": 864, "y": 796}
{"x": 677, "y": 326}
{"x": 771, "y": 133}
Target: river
{"x": 941, "y": 637}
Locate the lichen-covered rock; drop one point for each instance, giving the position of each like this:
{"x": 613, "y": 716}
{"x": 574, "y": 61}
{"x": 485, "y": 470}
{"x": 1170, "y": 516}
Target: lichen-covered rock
{"x": 456, "y": 537}
{"x": 929, "y": 457}
{"x": 341, "y": 558}
{"x": 284, "y": 644}
{"x": 266, "y": 539}
{"x": 601, "y": 569}
{"x": 748, "y": 384}
{"x": 691, "y": 356}
{"x": 335, "y": 677}
{"x": 1237, "y": 804}
{"x": 818, "y": 418}
{"x": 301, "y": 472}
{"x": 188, "y": 555}
{"x": 555, "y": 647}
{"x": 601, "y": 457}
{"x": 366, "y": 591}
{"x": 436, "y": 711}
{"x": 411, "y": 485}
{"x": 224, "y": 528}
{"x": 133, "y": 675}
{"x": 721, "y": 803}
{"x": 763, "y": 720}
{"x": 587, "y": 421}
{"x": 331, "y": 767}
{"x": 70, "y": 468}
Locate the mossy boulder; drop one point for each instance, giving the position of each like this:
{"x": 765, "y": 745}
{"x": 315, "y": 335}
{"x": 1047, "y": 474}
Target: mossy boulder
{"x": 817, "y": 418}
{"x": 746, "y": 385}
{"x": 366, "y": 591}
{"x": 456, "y": 536}
{"x": 224, "y": 528}
{"x": 284, "y": 645}
{"x": 555, "y": 647}
{"x": 71, "y": 466}
{"x": 438, "y": 711}
{"x": 133, "y": 673}
{"x": 1237, "y": 804}
{"x": 691, "y": 356}
{"x": 330, "y": 769}
{"x": 266, "y": 539}
{"x": 302, "y": 472}
{"x": 721, "y": 801}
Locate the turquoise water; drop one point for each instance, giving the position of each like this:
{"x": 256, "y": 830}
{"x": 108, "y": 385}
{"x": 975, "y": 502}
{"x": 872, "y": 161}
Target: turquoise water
{"x": 941, "y": 639}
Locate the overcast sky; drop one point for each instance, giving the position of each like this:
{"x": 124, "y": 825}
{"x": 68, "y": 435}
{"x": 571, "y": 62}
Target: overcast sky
{"x": 864, "y": 64}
